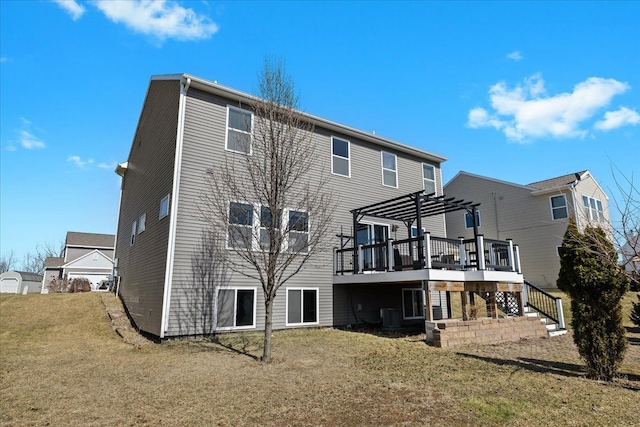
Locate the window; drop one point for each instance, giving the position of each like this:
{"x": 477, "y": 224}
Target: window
{"x": 413, "y": 303}
{"x": 164, "y": 206}
{"x": 429, "y": 178}
{"x": 558, "y": 207}
{"x": 468, "y": 219}
{"x": 302, "y": 306}
{"x": 340, "y": 157}
{"x": 593, "y": 209}
{"x": 298, "y": 231}
{"x": 236, "y": 308}
{"x": 133, "y": 233}
{"x": 266, "y": 221}
{"x": 239, "y": 128}
{"x": 558, "y": 249}
{"x": 389, "y": 169}
{"x": 142, "y": 223}
{"x": 240, "y": 225}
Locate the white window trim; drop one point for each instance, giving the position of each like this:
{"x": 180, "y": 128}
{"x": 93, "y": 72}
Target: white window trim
{"x": 286, "y": 314}
{"x": 404, "y": 315}
{"x": 594, "y": 213}
{"x": 255, "y": 225}
{"x": 226, "y": 134}
{"x": 348, "y": 158}
{"x": 134, "y": 226}
{"x": 566, "y": 206}
{"x": 285, "y": 224}
{"x": 382, "y": 153}
{"x": 479, "y": 219}
{"x": 142, "y": 223}
{"x": 168, "y": 199}
{"x": 256, "y": 228}
{"x": 424, "y": 178}
{"x": 235, "y": 307}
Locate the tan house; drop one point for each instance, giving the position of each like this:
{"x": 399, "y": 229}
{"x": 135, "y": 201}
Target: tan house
{"x": 535, "y": 215}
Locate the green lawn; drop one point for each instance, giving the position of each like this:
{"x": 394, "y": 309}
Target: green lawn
{"x": 61, "y": 363}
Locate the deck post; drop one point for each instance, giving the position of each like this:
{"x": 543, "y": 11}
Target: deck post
{"x": 427, "y": 250}
{"x": 464, "y": 297}
{"x": 390, "y": 258}
{"x": 428, "y": 312}
{"x": 335, "y": 261}
{"x": 511, "y": 259}
{"x": 561, "y": 324}
{"x": 480, "y": 252}
{"x": 360, "y": 260}
{"x": 463, "y": 253}
{"x": 516, "y": 254}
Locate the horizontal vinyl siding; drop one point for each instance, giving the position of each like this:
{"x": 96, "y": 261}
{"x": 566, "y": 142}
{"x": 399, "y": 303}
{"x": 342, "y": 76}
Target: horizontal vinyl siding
{"x": 148, "y": 179}
{"x": 204, "y": 147}
{"x": 589, "y": 187}
{"x": 521, "y": 216}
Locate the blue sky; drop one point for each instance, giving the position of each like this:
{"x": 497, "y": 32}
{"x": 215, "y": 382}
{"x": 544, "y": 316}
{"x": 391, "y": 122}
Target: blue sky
{"x": 516, "y": 91}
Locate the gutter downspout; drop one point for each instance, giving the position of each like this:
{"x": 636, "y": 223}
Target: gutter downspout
{"x": 168, "y": 278}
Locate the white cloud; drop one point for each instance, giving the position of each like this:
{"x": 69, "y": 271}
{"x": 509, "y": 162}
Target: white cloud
{"x": 29, "y": 141}
{"x": 76, "y": 160}
{"x": 72, "y": 7}
{"x": 615, "y": 119}
{"x": 515, "y": 56}
{"x": 11, "y": 147}
{"x": 528, "y": 112}
{"x": 159, "y": 18}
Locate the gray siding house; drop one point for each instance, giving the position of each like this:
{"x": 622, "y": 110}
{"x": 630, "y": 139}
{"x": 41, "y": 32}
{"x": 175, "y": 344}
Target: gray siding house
{"x": 534, "y": 215}
{"x": 186, "y": 128}
{"x": 87, "y": 255}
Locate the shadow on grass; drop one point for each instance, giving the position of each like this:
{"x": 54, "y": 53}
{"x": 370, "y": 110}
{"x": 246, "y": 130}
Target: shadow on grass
{"x": 546, "y": 366}
{"x": 245, "y": 345}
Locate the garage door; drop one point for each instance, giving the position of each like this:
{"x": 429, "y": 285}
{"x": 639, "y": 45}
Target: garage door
{"x": 95, "y": 279}
{"x": 9, "y": 285}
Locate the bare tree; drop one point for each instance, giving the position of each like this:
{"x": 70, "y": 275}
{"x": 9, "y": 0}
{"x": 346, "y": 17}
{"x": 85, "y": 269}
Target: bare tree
{"x": 34, "y": 262}
{"x": 627, "y": 232}
{"x": 271, "y": 198}
{"x": 7, "y": 262}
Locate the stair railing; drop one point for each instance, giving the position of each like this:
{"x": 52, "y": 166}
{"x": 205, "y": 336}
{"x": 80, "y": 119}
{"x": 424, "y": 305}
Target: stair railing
{"x": 544, "y": 303}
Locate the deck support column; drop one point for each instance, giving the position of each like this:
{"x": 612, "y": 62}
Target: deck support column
{"x": 492, "y": 306}
{"x": 464, "y": 296}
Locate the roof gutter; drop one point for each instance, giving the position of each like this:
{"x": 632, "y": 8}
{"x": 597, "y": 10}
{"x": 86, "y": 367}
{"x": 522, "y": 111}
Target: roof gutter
{"x": 236, "y": 95}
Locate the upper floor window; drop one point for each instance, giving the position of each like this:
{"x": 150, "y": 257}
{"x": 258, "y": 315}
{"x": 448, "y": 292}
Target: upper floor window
{"x": 389, "y": 169}
{"x": 164, "y": 206}
{"x": 559, "y": 207}
{"x": 239, "y": 128}
{"x": 268, "y": 222}
{"x": 133, "y": 233}
{"x": 429, "y": 178}
{"x": 142, "y": 223}
{"x": 468, "y": 219}
{"x": 340, "y": 157}
{"x": 593, "y": 209}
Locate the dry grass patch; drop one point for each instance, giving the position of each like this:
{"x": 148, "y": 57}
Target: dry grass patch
{"x": 62, "y": 364}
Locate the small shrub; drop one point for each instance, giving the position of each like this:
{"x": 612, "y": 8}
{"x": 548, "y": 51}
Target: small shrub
{"x": 59, "y": 285}
{"x": 80, "y": 284}
{"x": 471, "y": 311}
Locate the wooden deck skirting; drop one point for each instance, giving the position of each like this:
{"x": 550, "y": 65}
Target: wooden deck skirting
{"x": 455, "y": 333}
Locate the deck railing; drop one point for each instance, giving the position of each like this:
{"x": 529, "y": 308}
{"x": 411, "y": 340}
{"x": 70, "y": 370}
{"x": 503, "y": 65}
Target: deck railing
{"x": 428, "y": 252}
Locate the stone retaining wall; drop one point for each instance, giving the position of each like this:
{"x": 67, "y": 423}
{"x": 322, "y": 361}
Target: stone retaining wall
{"x": 455, "y": 333}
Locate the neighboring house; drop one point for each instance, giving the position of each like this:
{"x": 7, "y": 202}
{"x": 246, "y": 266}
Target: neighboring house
{"x": 187, "y": 126}
{"x": 20, "y": 282}
{"x": 534, "y": 215}
{"x": 631, "y": 258}
{"x": 87, "y": 255}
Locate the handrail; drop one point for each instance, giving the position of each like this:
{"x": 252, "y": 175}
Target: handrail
{"x": 544, "y": 303}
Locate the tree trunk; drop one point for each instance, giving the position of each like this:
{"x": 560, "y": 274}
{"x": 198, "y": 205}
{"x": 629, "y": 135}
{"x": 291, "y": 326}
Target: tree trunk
{"x": 268, "y": 319}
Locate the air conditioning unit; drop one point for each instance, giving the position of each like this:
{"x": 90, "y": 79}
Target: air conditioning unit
{"x": 391, "y": 317}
